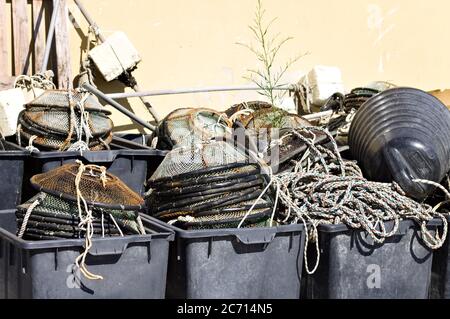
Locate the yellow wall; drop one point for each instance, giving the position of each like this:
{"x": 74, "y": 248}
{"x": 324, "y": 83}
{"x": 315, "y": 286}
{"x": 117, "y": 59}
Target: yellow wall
{"x": 190, "y": 43}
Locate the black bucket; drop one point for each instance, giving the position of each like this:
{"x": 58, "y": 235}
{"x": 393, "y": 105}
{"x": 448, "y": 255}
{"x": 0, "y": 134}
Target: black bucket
{"x": 440, "y": 280}
{"x": 352, "y": 266}
{"x": 12, "y": 165}
{"x": 400, "y": 135}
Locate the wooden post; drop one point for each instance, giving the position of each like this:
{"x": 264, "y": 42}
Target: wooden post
{"x": 38, "y": 33}
{"x": 3, "y": 41}
{"x": 63, "y": 47}
{"x": 21, "y": 29}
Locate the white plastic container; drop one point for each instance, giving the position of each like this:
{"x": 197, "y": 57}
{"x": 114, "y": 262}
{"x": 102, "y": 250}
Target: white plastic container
{"x": 115, "y": 56}
{"x": 11, "y": 104}
{"x": 323, "y": 82}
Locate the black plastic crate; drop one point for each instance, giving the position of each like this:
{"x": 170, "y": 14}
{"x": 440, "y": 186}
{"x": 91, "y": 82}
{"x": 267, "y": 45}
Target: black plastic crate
{"x": 12, "y": 165}
{"x": 352, "y": 266}
{"x": 130, "y": 165}
{"x": 440, "y": 280}
{"x": 133, "y": 267}
{"x": 257, "y": 263}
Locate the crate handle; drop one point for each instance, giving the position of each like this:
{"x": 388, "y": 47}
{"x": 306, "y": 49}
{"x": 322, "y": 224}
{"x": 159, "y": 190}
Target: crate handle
{"x": 263, "y": 236}
{"x": 107, "y": 248}
{"x": 101, "y": 156}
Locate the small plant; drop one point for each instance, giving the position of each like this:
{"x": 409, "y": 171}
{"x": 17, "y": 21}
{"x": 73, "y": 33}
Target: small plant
{"x": 268, "y": 78}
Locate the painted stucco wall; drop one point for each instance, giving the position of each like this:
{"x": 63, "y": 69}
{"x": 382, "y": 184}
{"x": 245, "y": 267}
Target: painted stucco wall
{"x": 192, "y": 43}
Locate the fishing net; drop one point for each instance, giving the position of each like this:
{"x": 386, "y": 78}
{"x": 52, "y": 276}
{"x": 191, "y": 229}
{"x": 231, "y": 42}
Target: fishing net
{"x": 344, "y": 110}
{"x": 96, "y": 186}
{"x": 56, "y": 218}
{"x": 190, "y": 125}
{"x": 80, "y": 201}
{"x": 267, "y": 128}
{"x": 322, "y": 188}
{"x": 64, "y": 120}
{"x": 209, "y": 185}
{"x": 240, "y": 111}
{"x": 272, "y": 118}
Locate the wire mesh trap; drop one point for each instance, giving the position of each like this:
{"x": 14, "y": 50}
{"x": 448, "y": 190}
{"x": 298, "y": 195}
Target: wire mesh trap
{"x": 344, "y": 110}
{"x": 80, "y": 201}
{"x": 268, "y": 128}
{"x": 209, "y": 185}
{"x": 64, "y": 120}
{"x": 240, "y": 111}
{"x": 190, "y": 125}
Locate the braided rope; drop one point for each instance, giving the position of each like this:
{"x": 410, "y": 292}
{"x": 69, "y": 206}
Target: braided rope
{"x": 27, "y": 216}
{"x": 87, "y": 219}
{"x": 323, "y": 189}
{"x": 38, "y": 81}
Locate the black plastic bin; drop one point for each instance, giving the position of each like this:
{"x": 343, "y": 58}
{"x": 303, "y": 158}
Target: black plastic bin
{"x": 440, "y": 280}
{"x": 352, "y": 266}
{"x": 133, "y": 267}
{"x": 131, "y": 166}
{"x": 12, "y": 166}
{"x": 258, "y": 263}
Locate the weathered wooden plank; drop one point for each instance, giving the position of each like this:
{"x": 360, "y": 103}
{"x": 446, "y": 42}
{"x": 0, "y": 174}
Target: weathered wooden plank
{"x": 21, "y": 29}
{"x": 4, "y": 71}
{"x": 38, "y": 33}
{"x": 62, "y": 47}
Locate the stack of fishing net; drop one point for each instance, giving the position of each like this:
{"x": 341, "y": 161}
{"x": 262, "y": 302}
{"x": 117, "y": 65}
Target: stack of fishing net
{"x": 80, "y": 201}
{"x": 344, "y": 110}
{"x": 64, "y": 120}
{"x": 190, "y": 125}
{"x": 209, "y": 186}
{"x": 241, "y": 110}
{"x": 55, "y": 212}
{"x": 268, "y": 128}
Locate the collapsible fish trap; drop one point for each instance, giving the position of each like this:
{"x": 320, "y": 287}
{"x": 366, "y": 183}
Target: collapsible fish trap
{"x": 209, "y": 185}
{"x": 65, "y": 120}
{"x": 190, "y": 125}
{"x": 269, "y": 129}
{"x": 80, "y": 201}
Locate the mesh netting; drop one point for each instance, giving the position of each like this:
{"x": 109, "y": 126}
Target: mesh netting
{"x": 59, "y": 121}
{"x": 62, "y": 120}
{"x": 60, "y": 98}
{"x": 265, "y": 127}
{"x": 56, "y": 218}
{"x": 188, "y": 125}
{"x": 198, "y": 184}
{"x": 185, "y": 160}
{"x": 48, "y": 142}
{"x": 240, "y": 110}
{"x": 229, "y": 219}
{"x": 80, "y": 201}
{"x": 269, "y": 118}
{"x": 96, "y": 186}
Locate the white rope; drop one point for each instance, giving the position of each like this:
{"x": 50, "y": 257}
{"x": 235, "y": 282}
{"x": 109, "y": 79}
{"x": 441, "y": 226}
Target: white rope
{"x": 28, "y": 215}
{"x": 265, "y": 190}
{"x": 37, "y": 81}
{"x": 86, "y": 221}
{"x": 117, "y": 226}
{"x": 30, "y": 148}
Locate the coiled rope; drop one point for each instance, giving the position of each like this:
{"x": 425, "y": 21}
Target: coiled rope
{"x": 322, "y": 189}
